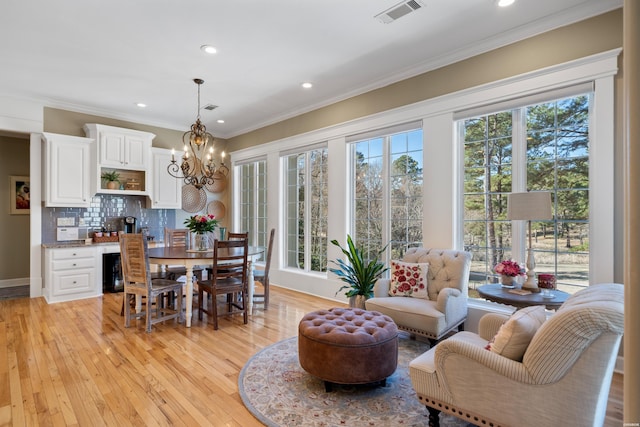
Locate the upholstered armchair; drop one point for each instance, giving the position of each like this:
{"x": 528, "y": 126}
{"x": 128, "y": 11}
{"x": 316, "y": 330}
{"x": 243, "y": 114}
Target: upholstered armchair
{"x": 443, "y": 308}
{"x": 561, "y": 377}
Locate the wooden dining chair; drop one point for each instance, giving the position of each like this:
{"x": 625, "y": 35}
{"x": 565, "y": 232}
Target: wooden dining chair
{"x": 237, "y": 236}
{"x": 262, "y": 276}
{"x": 231, "y": 236}
{"x": 137, "y": 282}
{"x": 228, "y": 277}
{"x": 178, "y": 238}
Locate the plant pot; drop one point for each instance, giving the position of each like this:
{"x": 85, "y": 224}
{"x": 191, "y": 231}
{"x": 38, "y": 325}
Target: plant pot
{"x": 113, "y": 185}
{"x": 506, "y": 280}
{"x": 357, "y": 301}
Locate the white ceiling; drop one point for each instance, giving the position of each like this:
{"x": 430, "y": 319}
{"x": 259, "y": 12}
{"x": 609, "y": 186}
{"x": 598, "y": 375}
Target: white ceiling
{"x": 103, "y": 56}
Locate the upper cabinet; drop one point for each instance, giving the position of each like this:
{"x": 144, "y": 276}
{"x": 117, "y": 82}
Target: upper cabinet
{"x": 67, "y": 170}
{"x": 166, "y": 191}
{"x": 125, "y": 151}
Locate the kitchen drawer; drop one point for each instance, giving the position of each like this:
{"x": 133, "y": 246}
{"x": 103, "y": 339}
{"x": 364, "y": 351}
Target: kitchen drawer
{"x": 72, "y": 253}
{"x": 68, "y": 264}
{"x": 76, "y": 282}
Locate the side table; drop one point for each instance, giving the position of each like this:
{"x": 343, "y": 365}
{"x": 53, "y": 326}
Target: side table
{"x": 496, "y": 293}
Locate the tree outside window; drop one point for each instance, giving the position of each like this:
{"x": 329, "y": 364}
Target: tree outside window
{"x": 387, "y": 188}
{"x": 555, "y": 158}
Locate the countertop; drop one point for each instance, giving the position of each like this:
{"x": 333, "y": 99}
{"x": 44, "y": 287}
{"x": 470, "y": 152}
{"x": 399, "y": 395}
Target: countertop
{"x": 82, "y": 244}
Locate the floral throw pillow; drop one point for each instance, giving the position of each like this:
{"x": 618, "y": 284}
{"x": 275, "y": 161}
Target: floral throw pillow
{"x": 409, "y": 279}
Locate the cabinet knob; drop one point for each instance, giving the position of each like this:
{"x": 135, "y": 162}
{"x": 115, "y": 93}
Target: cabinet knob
{"x": 74, "y": 264}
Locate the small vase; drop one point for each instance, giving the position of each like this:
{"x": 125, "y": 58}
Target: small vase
{"x": 357, "y": 301}
{"x": 506, "y": 280}
{"x": 112, "y": 185}
{"x": 202, "y": 242}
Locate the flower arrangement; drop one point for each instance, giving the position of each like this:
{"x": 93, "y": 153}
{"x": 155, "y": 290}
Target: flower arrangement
{"x": 509, "y": 268}
{"x": 201, "y": 224}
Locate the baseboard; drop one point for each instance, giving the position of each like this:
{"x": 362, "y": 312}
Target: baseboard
{"x": 10, "y": 283}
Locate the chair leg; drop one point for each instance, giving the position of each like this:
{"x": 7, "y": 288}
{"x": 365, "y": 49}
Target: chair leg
{"x": 214, "y": 310}
{"x": 179, "y": 306}
{"x": 200, "y": 300}
{"x": 434, "y": 417}
{"x": 127, "y": 310}
{"x": 461, "y": 327}
{"x": 148, "y": 312}
{"x": 266, "y": 293}
{"x": 245, "y": 306}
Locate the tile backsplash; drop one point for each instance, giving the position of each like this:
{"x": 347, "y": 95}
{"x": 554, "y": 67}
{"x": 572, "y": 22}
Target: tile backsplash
{"x": 108, "y": 211}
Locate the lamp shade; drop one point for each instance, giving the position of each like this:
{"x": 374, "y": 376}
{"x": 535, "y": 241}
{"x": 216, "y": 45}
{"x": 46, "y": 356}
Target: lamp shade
{"x": 531, "y": 206}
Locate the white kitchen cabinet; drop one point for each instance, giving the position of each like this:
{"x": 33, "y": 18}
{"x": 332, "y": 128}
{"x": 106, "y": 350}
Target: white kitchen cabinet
{"x": 71, "y": 273}
{"x": 121, "y": 148}
{"x": 166, "y": 191}
{"x": 67, "y": 170}
{"x": 126, "y": 151}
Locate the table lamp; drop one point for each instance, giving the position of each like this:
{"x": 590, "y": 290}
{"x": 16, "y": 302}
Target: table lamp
{"x": 530, "y": 206}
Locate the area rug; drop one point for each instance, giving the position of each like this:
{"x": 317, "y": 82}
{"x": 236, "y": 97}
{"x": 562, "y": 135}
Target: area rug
{"x": 279, "y": 393}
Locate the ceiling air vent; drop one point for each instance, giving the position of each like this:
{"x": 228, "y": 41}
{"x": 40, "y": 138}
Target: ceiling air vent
{"x": 398, "y": 11}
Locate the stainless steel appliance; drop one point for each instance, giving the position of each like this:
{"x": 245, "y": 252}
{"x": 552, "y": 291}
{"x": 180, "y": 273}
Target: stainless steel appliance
{"x": 130, "y": 224}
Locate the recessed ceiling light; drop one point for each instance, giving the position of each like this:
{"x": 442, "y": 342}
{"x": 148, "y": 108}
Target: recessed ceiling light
{"x": 307, "y": 85}
{"x": 505, "y": 3}
{"x": 208, "y": 49}
{"x": 220, "y": 121}
{"x": 141, "y": 104}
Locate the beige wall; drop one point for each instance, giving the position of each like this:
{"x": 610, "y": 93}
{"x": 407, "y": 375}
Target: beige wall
{"x": 575, "y": 41}
{"x": 14, "y": 229}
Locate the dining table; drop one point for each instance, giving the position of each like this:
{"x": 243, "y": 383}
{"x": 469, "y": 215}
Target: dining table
{"x": 190, "y": 258}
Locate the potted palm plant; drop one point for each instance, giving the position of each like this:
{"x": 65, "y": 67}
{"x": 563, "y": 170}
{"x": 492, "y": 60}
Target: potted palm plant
{"x": 112, "y": 178}
{"x": 359, "y": 275}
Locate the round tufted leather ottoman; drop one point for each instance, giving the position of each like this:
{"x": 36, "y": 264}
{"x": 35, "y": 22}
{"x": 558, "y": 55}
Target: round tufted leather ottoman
{"x": 348, "y": 346}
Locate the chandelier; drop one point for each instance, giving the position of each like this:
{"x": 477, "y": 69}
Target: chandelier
{"x": 197, "y": 167}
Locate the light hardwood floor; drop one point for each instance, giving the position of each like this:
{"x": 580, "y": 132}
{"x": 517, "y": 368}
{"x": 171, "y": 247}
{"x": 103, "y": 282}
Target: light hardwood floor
{"x": 74, "y": 364}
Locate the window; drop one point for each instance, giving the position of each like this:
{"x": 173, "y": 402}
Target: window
{"x": 544, "y": 146}
{"x": 253, "y": 201}
{"x": 387, "y": 189}
{"x": 306, "y": 209}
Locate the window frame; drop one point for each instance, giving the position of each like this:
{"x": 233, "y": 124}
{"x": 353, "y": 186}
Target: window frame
{"x": 308, "y": 184}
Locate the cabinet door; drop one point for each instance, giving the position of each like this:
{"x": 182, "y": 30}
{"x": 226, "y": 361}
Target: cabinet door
{"x": 68, "y": 171}
{"x": 166, "y": 190}
{"x": 135, "y": 152}
{"x": 112, "y": 150}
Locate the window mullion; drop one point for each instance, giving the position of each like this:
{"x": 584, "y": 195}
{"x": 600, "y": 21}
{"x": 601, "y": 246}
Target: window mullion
{"x": 386, "y": 197}
{"x": 519, "y": 179}
{"x": 307, "y": 211}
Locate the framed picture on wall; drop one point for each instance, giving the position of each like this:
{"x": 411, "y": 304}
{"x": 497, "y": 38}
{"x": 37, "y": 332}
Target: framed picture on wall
{"x": 19, "y": 193}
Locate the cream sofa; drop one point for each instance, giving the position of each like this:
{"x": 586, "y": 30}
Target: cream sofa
{"x": 563, "y": 378}
{"x": 447, "y": 287}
